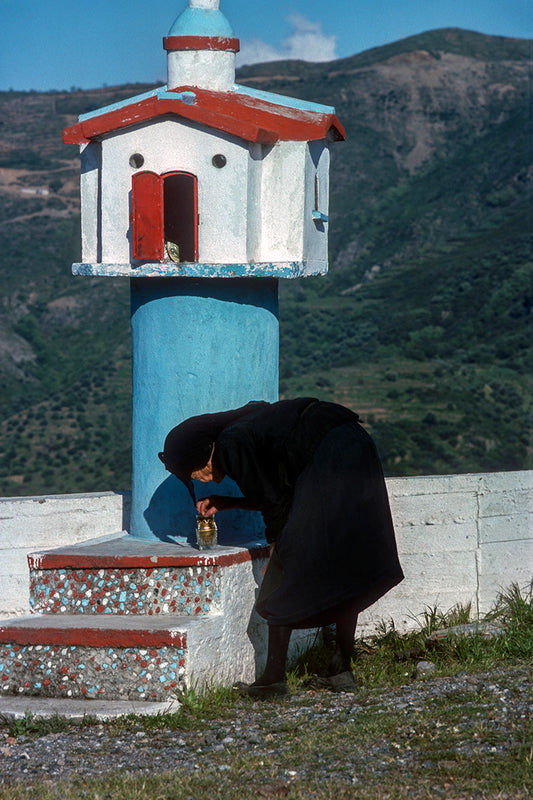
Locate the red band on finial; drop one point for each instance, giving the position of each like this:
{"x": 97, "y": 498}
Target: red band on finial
{"x": 200, "y": 43}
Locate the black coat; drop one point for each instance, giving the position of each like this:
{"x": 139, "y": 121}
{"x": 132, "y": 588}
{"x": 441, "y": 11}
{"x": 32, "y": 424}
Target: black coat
{"x": 314, "y": 473}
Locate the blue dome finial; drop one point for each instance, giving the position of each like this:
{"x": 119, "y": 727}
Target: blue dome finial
{"x": 202, "y": 18}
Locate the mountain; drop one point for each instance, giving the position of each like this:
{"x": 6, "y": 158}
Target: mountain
{"x": 423, "y": 324}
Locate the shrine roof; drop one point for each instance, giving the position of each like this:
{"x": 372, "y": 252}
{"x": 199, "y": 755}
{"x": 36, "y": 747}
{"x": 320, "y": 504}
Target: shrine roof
{"x": 251, "y": 114}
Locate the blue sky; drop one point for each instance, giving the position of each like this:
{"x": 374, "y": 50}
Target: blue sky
{"x": 59, "y": 44}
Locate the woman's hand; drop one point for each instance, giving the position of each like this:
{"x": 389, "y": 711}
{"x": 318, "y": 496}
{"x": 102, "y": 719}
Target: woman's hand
{"x": 208, "y": 506}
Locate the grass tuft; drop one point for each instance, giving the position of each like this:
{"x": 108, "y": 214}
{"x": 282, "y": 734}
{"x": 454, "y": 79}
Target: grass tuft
{"x": 33, "y": 727}
{"x": 514, "y": 609}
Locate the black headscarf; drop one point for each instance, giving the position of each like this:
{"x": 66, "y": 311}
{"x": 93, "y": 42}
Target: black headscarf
{"x": 188, "y": 446}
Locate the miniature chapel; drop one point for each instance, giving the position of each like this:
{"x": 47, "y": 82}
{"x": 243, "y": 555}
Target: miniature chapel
{"x": 203, "y": 170}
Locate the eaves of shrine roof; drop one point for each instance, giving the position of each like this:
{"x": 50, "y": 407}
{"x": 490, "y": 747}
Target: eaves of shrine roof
{"x": 253, "y": 115}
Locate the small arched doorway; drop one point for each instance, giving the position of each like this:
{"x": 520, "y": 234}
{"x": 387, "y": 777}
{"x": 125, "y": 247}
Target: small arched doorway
{"x": 165, "y": 216}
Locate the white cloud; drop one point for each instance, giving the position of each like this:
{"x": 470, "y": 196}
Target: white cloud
{"x": 306, "y": 41}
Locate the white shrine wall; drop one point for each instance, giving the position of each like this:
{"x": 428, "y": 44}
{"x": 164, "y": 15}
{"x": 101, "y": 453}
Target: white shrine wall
{"x": 169, "y": 146}
{"x": 282, "y": 201}
{"x": 257, "y": 208}
{"x": 316, "y": 233}
{"x": 91, "y": 165}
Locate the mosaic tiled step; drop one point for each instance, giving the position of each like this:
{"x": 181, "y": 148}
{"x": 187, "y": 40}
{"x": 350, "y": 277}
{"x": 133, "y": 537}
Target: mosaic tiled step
{"x": 163, "y": 590}
{"x": 141, "y": 659}
{"x": 142, "y": 650}
{"x": 126, "y": 577}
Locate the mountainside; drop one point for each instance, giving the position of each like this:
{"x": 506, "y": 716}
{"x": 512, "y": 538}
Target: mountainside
{"x": 423, "y": 323}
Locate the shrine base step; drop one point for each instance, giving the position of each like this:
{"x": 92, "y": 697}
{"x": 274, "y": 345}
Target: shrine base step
{"x": 121, "y": 619}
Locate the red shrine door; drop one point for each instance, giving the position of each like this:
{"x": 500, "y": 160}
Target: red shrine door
{"x": 165, "y": 216}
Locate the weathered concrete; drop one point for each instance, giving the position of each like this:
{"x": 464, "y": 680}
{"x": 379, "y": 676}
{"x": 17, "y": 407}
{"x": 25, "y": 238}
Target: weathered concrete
{"x": 13, "y": 708}
{"x": 30, "y": 523}
{"x": 461, "y": 538}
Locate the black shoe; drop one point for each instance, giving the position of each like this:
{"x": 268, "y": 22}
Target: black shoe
{"x": 259, "y": 691}
{"x": 343, "y": 682}
{"x": 317, "y": 682}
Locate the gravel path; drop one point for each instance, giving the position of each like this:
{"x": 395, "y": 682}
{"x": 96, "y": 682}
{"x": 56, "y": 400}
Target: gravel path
{"x": 266, "y": 732}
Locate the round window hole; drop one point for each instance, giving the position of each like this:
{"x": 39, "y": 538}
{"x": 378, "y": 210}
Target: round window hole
{"x": 136, "y": 161}
{"x": 219, "y": 161}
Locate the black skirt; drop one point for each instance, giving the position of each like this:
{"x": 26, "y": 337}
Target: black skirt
{"x": 337, "y": 549}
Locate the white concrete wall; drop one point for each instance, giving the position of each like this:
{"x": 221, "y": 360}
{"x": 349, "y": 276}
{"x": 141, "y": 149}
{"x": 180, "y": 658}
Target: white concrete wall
{"x": 36, "y": 523}
{"x": 461, "y": 539}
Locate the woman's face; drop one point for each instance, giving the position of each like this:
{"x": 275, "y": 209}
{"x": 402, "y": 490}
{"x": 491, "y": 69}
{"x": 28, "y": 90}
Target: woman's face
{"x": 208, "y": 473}
{"x": 205, "y": 475}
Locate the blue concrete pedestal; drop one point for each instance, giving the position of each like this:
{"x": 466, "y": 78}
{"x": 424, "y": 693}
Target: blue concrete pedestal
{"x": 198, "y": 346}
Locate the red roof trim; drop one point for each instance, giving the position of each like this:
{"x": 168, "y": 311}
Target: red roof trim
{"x": 201, "y": 43}
{"x": 248, "y": 117}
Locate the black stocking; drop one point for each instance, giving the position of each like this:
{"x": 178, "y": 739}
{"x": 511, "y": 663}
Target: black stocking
{"x": 345, "y": 624}
{"x": 278, "y": 645}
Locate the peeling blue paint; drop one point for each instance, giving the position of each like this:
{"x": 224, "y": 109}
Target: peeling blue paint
{"x": 122, "y": 104}
{"x": 189, "y": 98}
{"x": 161, "y": 93}
{"x": 282, "y": 100}
{"x": 276, "y": 269}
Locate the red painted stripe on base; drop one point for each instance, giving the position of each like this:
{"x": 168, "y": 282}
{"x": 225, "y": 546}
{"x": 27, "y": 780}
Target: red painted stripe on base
{"x": 86, "y": 560}
{"x": 91, "y": 637}
{"x": 201, "y": 43}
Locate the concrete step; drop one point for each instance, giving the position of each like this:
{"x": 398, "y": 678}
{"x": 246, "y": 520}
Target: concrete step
{"x": 134, "y": 658}
{"x": 123, "y": 576}
{"x": 131, "y": 658}
{"x": 107, "y": 626}
{"x": 15, "y": 708}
